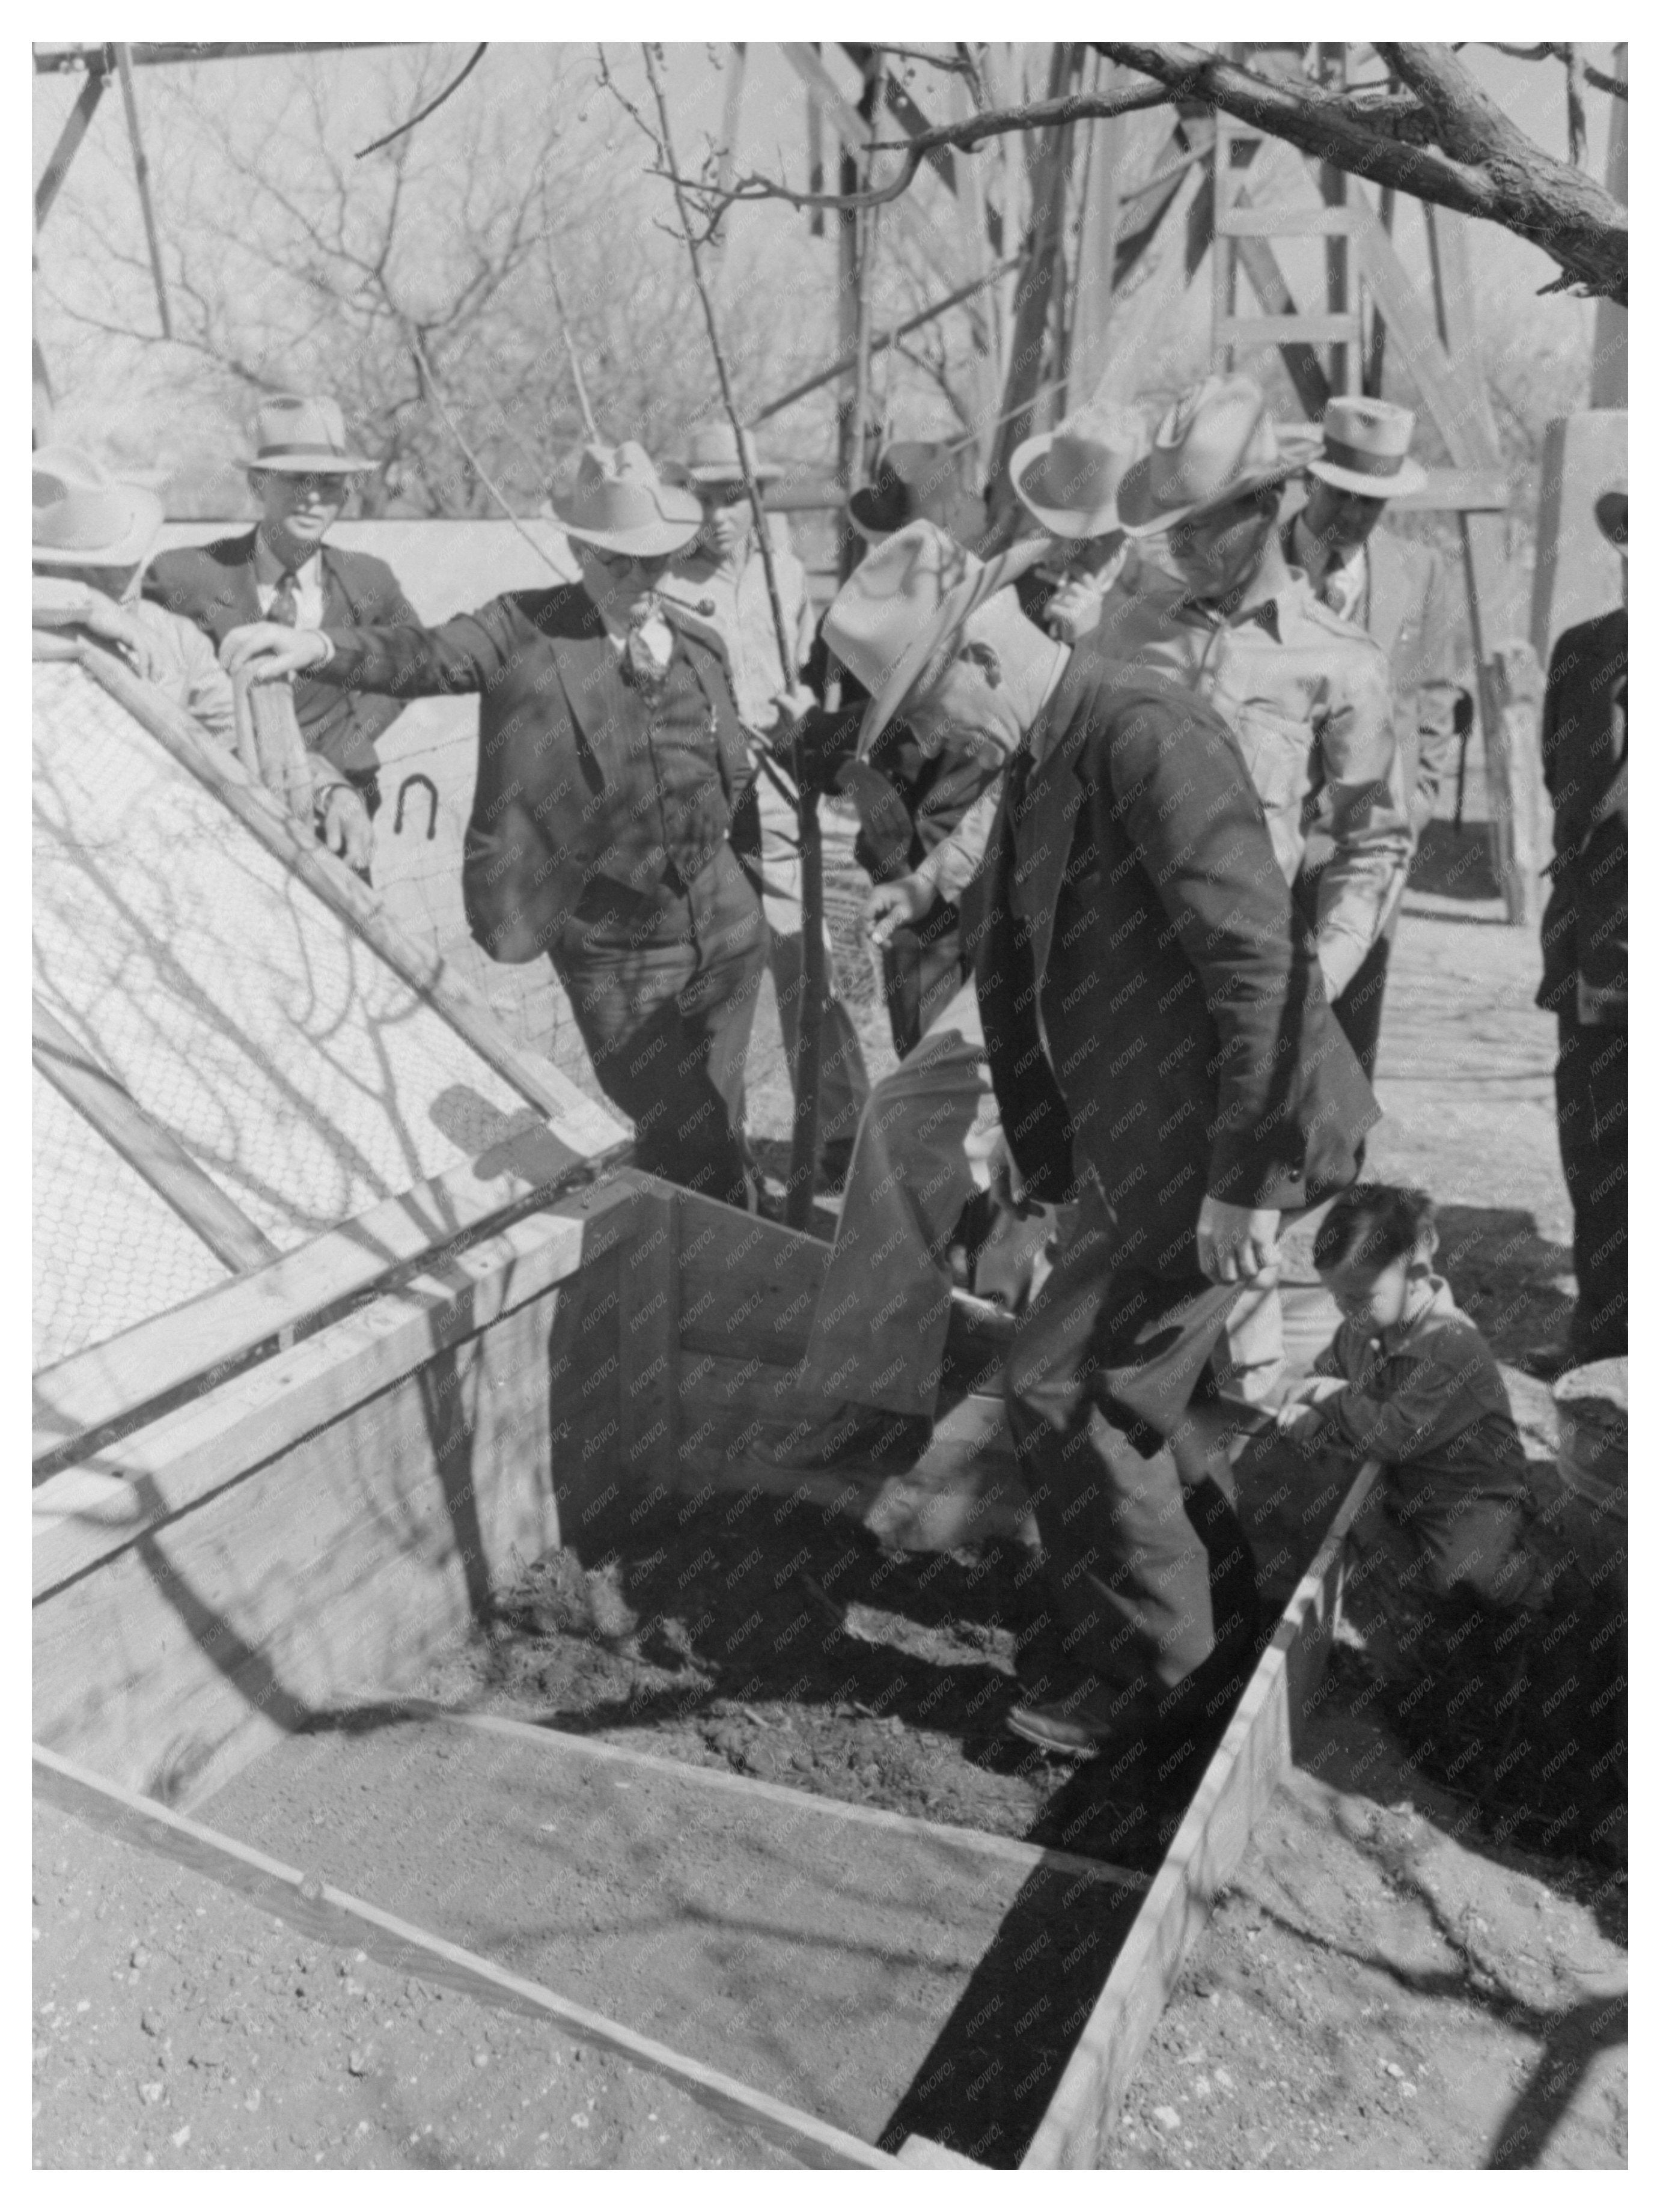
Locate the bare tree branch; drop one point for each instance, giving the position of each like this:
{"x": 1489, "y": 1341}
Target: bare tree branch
{"x": 455, "y": 85}
{"x": 1547, "y": 50}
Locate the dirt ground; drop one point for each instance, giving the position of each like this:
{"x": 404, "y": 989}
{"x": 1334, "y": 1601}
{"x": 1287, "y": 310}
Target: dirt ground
{"x": 1421, "y": 1961}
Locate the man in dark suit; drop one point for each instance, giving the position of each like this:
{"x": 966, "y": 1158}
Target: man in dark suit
{"x": 610, "y": 756}
{"x": 1585, "y": 933}
{"x": 1158, "y": 1031}
{"x": 1397, "y": 592}
{"x": 282, "y": 571}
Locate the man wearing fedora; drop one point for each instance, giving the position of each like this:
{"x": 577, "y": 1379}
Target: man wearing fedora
{"x": 1067, "y": 481}
{"x": 721, "y": 577}
{"x": 1585, "y": 933}
{"x": 610, "y": 757}
{"x": 301, "y": 472}
{"x": 1155, "y": 1024}
{"x": 1396, "y": 591}
{"x": 92, "y": 536}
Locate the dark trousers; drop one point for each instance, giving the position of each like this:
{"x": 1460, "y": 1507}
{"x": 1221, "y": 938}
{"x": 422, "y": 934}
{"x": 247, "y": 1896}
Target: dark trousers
{"x": 1152, "y": 1578}
{"x": 1591, "y": 1077}
{"x": 664, "y": 995}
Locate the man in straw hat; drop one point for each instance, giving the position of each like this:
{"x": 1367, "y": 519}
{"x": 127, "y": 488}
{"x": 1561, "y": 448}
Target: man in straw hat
{"x": 1397, "y": 592}
{"x": 1586, "y": 934}
{"x": 722, "y": 577}
{"x": 610, "y": 756}
{"x": 92, "y": 538}
{"x": 301, "y": 472}
{"x": 1154, "y": 1020}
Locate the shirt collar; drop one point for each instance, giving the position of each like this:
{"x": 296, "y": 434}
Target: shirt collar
{"x": 1265, "y": 615}
{"x": 1315, "y": 558}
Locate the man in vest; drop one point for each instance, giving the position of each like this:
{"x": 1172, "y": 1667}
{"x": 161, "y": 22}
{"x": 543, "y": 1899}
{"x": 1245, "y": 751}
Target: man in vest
{"x": 1586, "y": 937}
{"x": 610, "y": 757}
{"x": 722, "y": 577}
{"x": 1397, "y": 592}
{"x": 302, "y": 472}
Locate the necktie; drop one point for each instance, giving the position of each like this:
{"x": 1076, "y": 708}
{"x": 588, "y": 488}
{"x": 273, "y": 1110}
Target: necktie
{"x": 648, "y": 673}
{"x": 1332, "y": 592}
{"x": 285, "y": 602}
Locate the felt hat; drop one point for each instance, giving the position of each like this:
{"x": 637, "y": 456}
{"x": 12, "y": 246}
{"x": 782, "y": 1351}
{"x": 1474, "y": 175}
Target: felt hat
{"x": 303, "y": 437}
{"x": 621, "y": 504}
{"x": 712, "y": 456}
{"x": 1610, "y": 510}
{"x": 897, "y": 622}
{"x": 84, "y": 518}
{"x": 1215, "y": 444}
{"x": 1364, "y": 448}
{"x": 1068, "y": 478}
{"x": 904, "y": 469}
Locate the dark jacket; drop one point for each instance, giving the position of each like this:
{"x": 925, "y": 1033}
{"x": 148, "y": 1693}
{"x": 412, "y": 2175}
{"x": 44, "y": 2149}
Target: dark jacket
{"x": 1134, "y": 892}
{"x": 213, "y": 585}
{"x": 1582, "y": 741}
{"x": 579, "y": 776}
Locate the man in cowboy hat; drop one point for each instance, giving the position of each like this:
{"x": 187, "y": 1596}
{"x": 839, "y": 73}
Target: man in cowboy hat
{"x": 610, "y": 757}
{"x": 1067, "y": 481}
{"x": 1396, "y": 591}
{"x": 301, "y": 472}
{"x": 1586, "y": 935}
{"x": 1154, "y": 1020}
{"x": 722, "y": 577}
{"x": 92, "y": 536}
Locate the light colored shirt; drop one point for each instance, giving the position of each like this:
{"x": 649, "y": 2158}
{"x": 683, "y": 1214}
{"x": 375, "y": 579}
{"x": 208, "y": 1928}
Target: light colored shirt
{"x": 1426, "y": 1396}
{"x": 268, "y": 572}
{"x": 1307, "y": 697}
{"x": 741, "y": 615}
{"x": 1339, "y": 584}
{"x": 189, "y": 671}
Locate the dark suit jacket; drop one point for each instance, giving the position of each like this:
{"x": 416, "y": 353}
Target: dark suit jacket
{"x": 1135, "y": 894}
{"x": 1582, "y": 740}
{"x": 213, "y": 585}
{"x": 554, "y": 715}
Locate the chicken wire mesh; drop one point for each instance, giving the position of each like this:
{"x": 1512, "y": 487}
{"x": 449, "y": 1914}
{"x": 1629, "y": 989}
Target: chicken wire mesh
{"x": 299, "y": 1070}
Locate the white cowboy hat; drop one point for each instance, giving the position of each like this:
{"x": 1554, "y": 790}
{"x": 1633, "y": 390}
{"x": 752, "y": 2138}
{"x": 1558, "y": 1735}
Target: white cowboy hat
{"x": 712, "y": 457}
{"x": 897, "y": 621}
{"x": 84, "y": 518}
{"x": 1215, "y": 444}
{"x": 1364, "y": 448}
{"x": 1068, "y": 478}
{"x": 620, "y": 504}
{"x": 303, "y": 437}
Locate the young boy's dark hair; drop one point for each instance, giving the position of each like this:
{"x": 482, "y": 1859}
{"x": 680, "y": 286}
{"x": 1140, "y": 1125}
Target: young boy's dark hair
{"x": 1371, "y": 1224}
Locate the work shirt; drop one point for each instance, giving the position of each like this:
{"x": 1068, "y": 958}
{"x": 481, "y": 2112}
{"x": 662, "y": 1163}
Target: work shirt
{"x": 268, "y": 573}
{"x": 1427, "y": 1397}
{"x": 740, "y": 611}
{"x": 189, "y": 672}
{"x": 1307, "y": 696}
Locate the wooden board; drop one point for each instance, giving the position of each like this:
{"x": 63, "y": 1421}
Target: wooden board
{"x": 1251, "y": 1762}
{"x": 336, "y": 1917}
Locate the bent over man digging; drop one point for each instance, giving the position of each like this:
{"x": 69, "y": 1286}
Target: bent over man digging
{"x": 1156, "y": 1029}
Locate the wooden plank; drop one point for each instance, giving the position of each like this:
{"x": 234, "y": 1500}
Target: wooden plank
{"x": 1011, "y": 1850}
{"x": 68, "y": 139}
{"x": 82, "y": 1401}
{"x": 648, "y": 1344}
{"x": 747, "y": 1287}
{"x": 337, "y": 1569}
{"x": 1243, "y": 331}
{"x": 1248, "y": 1767}
{"x": 581, "y": 1123}
{"x": 1412, "y": 332}
{"x": 148, "y": 1148}
{"x": 89, "y": 1512}
{"x": 854, "y": 134}
{"x": 327, "y": 1915}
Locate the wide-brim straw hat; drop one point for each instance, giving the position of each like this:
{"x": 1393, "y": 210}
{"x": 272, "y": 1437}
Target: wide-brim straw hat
{"x": 620, "y": 504}
{"x": 904, "y": 469}
{"x": 712, "y": 456}
{"x": 1217, "y": 443}
{"x": 1068, "y": 478}
{"x": 295, "y": 436}
{"x": 85, "y": 518}
{"x": 1364, "y": 448}
{"x": 1612, "y": 508}
{"x": 899, "y": 620}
